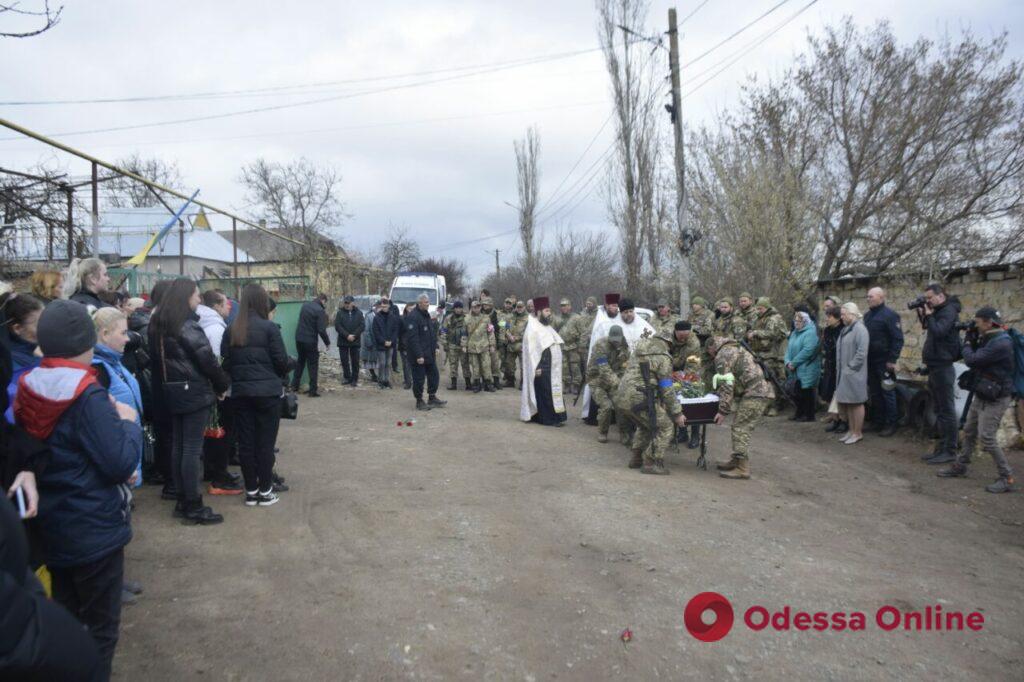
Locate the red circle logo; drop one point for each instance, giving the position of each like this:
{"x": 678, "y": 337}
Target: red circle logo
{"x": 693, "y": 616}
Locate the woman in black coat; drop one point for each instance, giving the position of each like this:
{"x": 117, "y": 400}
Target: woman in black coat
{"x": 191, "y": 381}
{"x": 827, "y": 387}
{"x": 255, "y": 357}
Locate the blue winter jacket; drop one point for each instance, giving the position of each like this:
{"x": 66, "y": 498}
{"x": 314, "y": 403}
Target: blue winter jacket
{"x": 23, "y": 358}
{"x": 802, "y": 353}
{"x": 83, "y": 503}
{"x": 123, "y": 386}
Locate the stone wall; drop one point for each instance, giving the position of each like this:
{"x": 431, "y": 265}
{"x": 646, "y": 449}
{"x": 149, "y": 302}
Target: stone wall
{"x": 1000, "y": 286}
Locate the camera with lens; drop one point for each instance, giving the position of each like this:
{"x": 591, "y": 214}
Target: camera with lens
{"x": 918, "y": 302}
{"x": 967, "y": 326}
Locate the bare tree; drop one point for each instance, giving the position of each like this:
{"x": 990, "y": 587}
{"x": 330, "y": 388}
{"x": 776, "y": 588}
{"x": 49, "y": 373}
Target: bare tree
{"x": 47, "y": 16}
{"x": 527, "y": 182}
{"x": 33, "y": 215}
{"x": 127, "y": 193}
{"x": 634, "y": 204}
{"x": 453, "y": 271}
{"x": 399, "y": 251}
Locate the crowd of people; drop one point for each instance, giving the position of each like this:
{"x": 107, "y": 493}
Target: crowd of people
{"x": 101, "y": 392}
{"x": 105, "y": 391}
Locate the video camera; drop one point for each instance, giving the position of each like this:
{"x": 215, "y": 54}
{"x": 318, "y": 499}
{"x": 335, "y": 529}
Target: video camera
{"x": 917, "y": 303}
{"x": 966, "y": 326}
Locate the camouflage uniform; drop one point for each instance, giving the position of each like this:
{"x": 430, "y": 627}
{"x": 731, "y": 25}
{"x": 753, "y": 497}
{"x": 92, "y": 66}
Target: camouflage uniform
{"x": 604, "y": 372}
{"x": 478, "y": 342}
{"x": 743, "y": 390}
{"x": 585, "y": 327}
{"x": 504, "y": 323}
{"x": 768, "y": 341}
{"x": 514, "y": 342}
{"x": 495, "y": 359}
{"x": 665, "y": 324}
{"x": 731, "y": 325}
{"x": 703, "y": 322}
{"x": 629, "y": 400}
{"x": 453, "y": 332}
{"x": 565, "y": 325}
{"x": 681, "y": 350}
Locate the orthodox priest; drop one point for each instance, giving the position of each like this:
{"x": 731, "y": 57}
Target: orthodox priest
{"x": 616, "y": 311}
{"x": 542, "y": 360}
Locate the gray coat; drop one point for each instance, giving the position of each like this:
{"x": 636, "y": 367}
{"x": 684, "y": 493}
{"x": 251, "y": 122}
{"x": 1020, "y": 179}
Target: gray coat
{"x": 852, "y": 364}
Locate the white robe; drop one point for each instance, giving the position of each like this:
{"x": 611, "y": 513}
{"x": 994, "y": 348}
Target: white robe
{"x": 602, "y": 323}
{"x": 536, "y": 339}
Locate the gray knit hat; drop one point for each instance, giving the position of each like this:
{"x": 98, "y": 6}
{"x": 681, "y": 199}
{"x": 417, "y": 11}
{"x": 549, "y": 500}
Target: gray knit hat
{"x": 65, "y": 330}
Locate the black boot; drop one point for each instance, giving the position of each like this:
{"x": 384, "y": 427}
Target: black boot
{"x": 421, "y": 405}
{"x": 682, "y": 435}
{"x": 434, "y": 401}
{"x": 510, "y": 382}
{"x": 454, "y": 384}
{"x": 496, "y": 383}
{"x": 197, "y": 513}
{"x": 694, "y": 438}
{"x": 477, "y": 386}
{"x": 488, "y": 386}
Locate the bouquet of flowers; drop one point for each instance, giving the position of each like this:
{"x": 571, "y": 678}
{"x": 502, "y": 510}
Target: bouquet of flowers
{"x": 688, "y": 385}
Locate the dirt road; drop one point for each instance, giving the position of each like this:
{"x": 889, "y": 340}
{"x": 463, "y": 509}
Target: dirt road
{"x": 472, "y": 546}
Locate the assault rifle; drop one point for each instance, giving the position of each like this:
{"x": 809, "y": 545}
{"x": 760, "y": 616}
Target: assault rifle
{"x": 780, "y": 388}
{"x": 649, "y": 398}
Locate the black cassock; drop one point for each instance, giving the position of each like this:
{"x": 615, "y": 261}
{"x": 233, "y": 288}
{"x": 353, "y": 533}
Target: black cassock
{"x": 546, "y": 414}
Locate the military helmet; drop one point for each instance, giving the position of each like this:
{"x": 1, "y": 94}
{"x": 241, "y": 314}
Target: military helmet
{"x": 699, "y": 300}
{"x": 764, "y": 302}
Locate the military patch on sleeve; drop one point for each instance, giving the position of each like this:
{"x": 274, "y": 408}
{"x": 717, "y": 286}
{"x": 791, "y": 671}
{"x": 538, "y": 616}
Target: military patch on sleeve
{"x": 601, "y": 361}
{"x": 664, "y": 383}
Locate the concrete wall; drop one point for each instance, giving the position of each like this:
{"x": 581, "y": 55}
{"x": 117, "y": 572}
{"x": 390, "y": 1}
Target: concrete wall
{"x": 1002, "y": 287}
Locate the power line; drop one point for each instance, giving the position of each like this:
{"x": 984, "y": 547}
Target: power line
{"x": 522, "y": 61}
{"x": 732, "y": 35}
{"x": 600, "y": 130}
{"x": 695, "y": 10}
{"x": 278, "y": 107}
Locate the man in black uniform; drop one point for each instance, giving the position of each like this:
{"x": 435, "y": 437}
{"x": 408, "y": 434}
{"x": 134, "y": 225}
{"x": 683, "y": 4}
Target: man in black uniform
{"x": 312, "y": 323}
{"x": 420, "y": 348}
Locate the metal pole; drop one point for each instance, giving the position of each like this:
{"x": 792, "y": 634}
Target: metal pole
{"x": 181, "y": 247}
{"x": 71, "y": 224}
{"x": 685, "y": 238}
{"x": 234, "y": 247}
{"x": 95, "y": 210}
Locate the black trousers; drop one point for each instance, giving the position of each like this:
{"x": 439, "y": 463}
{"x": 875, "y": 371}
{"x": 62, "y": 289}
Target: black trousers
{"x": 187, "y": 453}
{"x": 309, "y": 354}
{"x": 217, "y": 451}
{"x": 349, "y": 362}
{"x": 883, "y": 403}
{"x": 428, "y": 371}
{"x": 805, "y": 402}
{"x": 92, "y": 593}
{"x": 257, "y": 420}
{"x": 941, "y": 380}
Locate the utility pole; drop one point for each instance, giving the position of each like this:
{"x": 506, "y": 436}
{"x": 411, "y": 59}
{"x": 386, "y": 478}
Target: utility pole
{"x": 686, "y": 236}
{"x": 181, "y": 247}
{"x": 95, "y": 211}
{"x": 497, "y": 262}
{"x": 71, "y": 221}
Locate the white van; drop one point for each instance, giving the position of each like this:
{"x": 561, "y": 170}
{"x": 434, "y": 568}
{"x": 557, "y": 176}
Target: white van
{"x": 407, "y": 287}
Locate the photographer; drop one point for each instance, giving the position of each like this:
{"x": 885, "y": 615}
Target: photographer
{"x": 939, "y": 314}
{"x": 988, "y": 351}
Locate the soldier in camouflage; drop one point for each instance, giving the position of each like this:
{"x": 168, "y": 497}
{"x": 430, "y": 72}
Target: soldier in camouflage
{"x": 727, "y": 322}
{"x": 684, "y": 346}
{"x": 487, "y": 307}
{"x": 604, "y": 372}
{"x": 453, "y": 332}
{"x": 478, "y": 342}
{"x": 663, "y": 319}
{"x": 504, "y": 323}
{"x": 743, "y": 391}
{"x": 745, "y": 308}
{"x": 514, "y": 341}
{"x": 649, "y": 445}
{"x": 767, "y": 338}
{"x": 702, "y": 320}
{"x": 565, "y": 324}
{"x": 583, "y": 326}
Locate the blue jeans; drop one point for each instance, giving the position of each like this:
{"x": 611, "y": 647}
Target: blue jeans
{"x": 941, "y": 380}
{"x": 883, "y": 403}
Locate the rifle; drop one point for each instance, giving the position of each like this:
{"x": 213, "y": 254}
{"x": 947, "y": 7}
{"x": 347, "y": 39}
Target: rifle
{"x": 780, "y": 388}
{"x": 648, "y": 391}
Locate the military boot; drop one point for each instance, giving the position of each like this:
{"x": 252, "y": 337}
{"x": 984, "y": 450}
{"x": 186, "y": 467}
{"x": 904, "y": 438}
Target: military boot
{"x": 637, "y": 460}
{"x": 740, "y": 472}
{"x": 488, "y": 386}
{"x": 655, "y": 467}
{"x": 510, "y": 382}
{"x": 694, "y": 438}
{"x": 602, "y": 437}
{"x": 477, "y": 386}
{"x": 496, "y": 384}
{"x": 454, "y": 384}
{"x": 730, "y": 465}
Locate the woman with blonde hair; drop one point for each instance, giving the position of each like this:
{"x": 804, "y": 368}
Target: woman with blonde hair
{"x": 86, "y": 280}
{"x": 851, "y": 366}
{"x": 47, "y": 285}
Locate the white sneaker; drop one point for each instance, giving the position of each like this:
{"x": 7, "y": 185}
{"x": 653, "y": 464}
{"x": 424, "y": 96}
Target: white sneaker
{"x": 853, "y": 439}
{"x": 268, "y": 498}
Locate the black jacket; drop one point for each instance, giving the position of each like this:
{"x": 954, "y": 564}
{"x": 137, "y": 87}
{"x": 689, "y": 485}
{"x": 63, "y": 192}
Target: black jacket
{"x": 942, "y": 342}
{"x": 88, "y": 298}
{"x": 349, "y": 322}
{"x": 188, "y": 357}
{"x": 993, "y": 360}
{"x": 420, "y": 339}
{"x": 257, "y": 368}
{"x": 884, "y": 333}
{"x": 386, "y": 327}
{"x": 312, "y": 323}
{"x": 39, "y": 639}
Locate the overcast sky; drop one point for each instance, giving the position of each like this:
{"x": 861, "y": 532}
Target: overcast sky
{"x": 436, "y": 157}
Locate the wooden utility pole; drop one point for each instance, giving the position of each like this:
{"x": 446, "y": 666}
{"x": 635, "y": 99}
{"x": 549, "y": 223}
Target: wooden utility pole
{"x": 95, "y": 211}
{"x": 234, "y": 247}
{"x": 497, "y": 262}
{"x": 685, "y": 236}
{"x": 181, "y": 247}
{"x": 71, "y": 221}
